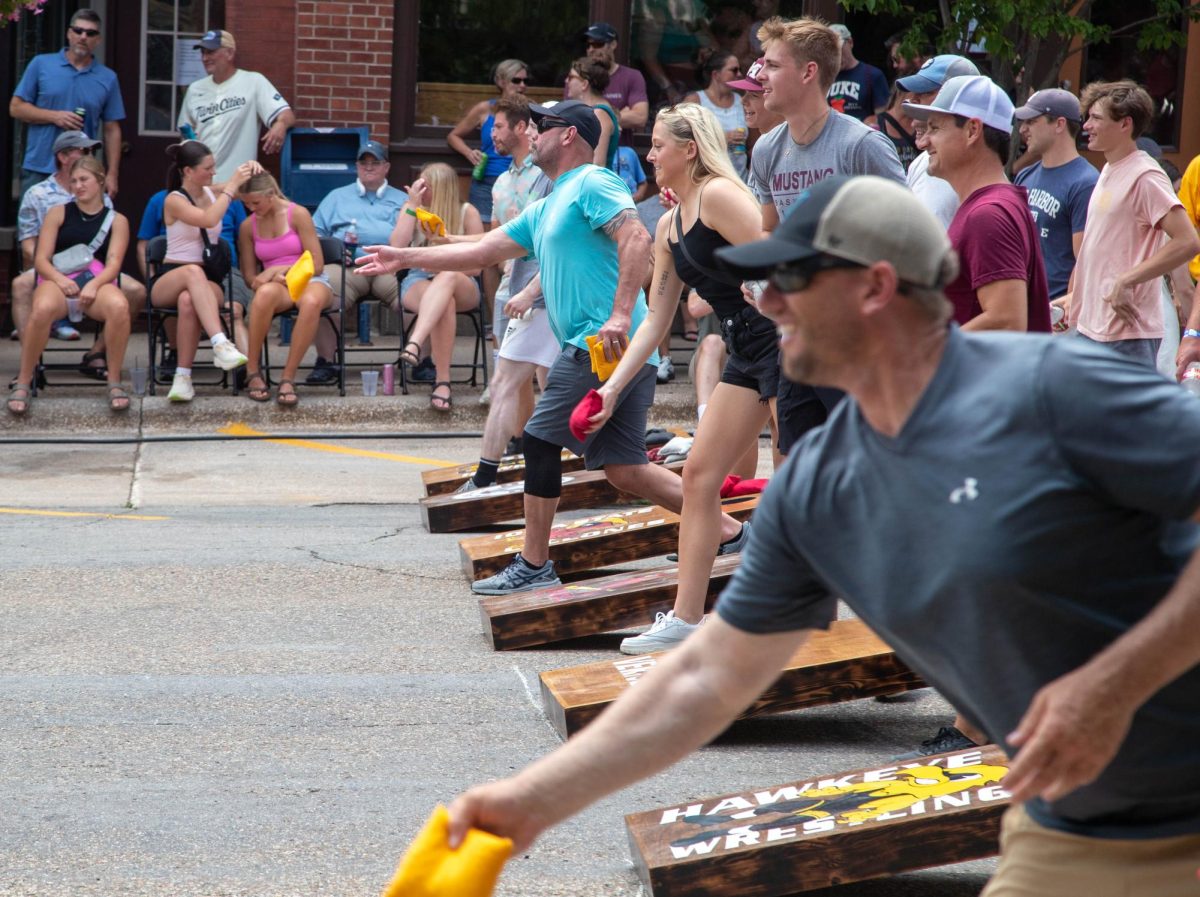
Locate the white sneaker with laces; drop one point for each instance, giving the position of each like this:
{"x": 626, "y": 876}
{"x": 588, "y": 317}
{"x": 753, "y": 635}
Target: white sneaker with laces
{"x": 181, "y": 389}
{"x": 227, "y": 357}
{"x": 667, "y": 632}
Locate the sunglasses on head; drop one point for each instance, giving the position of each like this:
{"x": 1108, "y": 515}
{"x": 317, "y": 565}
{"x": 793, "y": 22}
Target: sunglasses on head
{"x": 90, "y": 32}
{"x": 519, "y": 80}
{"x": 795, "y": 277}
{"x": 548, "y": 124}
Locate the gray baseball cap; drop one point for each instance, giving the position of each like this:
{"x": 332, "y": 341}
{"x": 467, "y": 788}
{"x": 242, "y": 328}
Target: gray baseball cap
{"x": 73, "y": 140}
{"x": 373, "y": 148}
{"x": 1054, "y": 102}
{"x": 863, "y": 219}
{"x": 936, "y": 71}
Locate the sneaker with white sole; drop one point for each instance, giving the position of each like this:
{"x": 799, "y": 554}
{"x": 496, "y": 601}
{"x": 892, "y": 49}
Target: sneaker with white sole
{"x": 666, "y": 370}
{"x": 518, "y": 576}
{"x": 181, "y": 389}
{"x": 733, "y": 546}
{"x": 227, "y": 357}
{"x": 667, "y": 632}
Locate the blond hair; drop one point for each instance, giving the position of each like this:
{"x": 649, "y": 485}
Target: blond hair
{"x": 809, "y": 40}
{"x": 446, "y": 199}
{"x": 263, "y": 183}
{"x": 691, "y": 121}
{"x": 92, "y": 164}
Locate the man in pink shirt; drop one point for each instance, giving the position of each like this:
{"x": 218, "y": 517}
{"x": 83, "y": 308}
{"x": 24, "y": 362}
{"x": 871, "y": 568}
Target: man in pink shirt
{"x": 1115, "y": 293}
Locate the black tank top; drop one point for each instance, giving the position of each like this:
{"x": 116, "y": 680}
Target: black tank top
{"x": 702, "y": 241}
{"x": 77, "y": 229}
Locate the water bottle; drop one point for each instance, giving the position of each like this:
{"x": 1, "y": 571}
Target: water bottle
{"x": 188, "y": 132}
{"x": 1191, "y": 379}
{"x": 480, "y": 168}
{"x": 350, "y": 245}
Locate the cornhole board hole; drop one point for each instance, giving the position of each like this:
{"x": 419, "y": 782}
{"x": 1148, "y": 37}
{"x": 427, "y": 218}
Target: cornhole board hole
{"x": 506, "y": 501}
{"x": 846, "y": 663}
{"x": 441, "y": 480}
{"x": 542, "y": 616}
{"x": 590, "y": 542}
{"x": 825, "y": 831}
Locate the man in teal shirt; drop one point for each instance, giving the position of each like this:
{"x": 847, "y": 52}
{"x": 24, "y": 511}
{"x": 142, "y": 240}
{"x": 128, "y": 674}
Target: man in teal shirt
{"x": 594, "y": 254}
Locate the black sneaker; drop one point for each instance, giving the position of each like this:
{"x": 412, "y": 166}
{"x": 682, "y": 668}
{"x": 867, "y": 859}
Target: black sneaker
{"x": 423, "y": 371}
{"x": 947, "y": 739}
{"x": 169, "y": 363}
{"x": 323, "y": 373}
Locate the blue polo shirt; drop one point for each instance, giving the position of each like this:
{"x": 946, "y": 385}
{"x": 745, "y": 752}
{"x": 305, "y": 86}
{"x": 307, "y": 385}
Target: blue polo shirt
{"x": 51, "y": 82}
{"x": 153, "y": 225}
{"x": 375, "y": 215}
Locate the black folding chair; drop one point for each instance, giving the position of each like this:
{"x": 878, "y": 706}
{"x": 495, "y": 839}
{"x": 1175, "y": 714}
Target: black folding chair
{"x": 478, "y": 365}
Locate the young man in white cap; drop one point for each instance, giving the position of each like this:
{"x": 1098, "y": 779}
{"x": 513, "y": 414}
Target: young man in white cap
{"x": 1002, "y": 285}
{"x": 927, "y": 503}
{"x": 937, "y": 195}
{"x": 1060, "y": 183}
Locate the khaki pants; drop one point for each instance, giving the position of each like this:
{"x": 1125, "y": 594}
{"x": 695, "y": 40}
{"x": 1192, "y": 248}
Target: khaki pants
{"x": 383, "y": 287}
{"x": 1039, "y": 862}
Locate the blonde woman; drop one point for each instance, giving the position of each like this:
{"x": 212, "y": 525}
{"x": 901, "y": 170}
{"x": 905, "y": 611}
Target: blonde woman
{"x": 586, "y": 82}
{"x": 435, "y": 298}
{"x": 82, "y": 222}
{"x": 277, "y": 232}
{"x": 510, "y": 77}
{"x": 688, "y": 152}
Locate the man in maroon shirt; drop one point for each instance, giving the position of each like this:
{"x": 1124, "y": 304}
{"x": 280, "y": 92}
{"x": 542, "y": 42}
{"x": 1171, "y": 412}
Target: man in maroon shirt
{"x": 626, "y": 91}
{"x": 1002, "y": 284}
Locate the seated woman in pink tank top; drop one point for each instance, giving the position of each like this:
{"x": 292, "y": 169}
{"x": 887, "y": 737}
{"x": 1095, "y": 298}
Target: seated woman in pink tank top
{"x": 269, "y": 242}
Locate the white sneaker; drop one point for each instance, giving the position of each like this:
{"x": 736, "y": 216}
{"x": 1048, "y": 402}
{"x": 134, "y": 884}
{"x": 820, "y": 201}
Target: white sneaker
{"x": 667, "y": 632}
{"x": 227, "y": 357}
{"x": 181, "y": 389}
{"x": 485, "y": 397}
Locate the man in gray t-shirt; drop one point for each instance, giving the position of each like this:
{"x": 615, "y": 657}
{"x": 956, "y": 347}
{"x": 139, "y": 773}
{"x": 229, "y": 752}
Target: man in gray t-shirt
{"x": 1030, "y": 550}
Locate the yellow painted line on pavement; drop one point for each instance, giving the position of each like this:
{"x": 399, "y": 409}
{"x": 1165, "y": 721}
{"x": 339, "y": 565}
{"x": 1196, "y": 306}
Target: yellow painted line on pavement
{"x": 243, "y": 430}
{"x": 30, "y": 512}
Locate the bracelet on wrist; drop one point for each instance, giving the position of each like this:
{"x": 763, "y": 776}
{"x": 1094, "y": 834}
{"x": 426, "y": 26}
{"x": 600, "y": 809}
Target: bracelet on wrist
{"x": 1190, "y": 333}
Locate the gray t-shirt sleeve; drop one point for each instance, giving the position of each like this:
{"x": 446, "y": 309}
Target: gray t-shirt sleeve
{"x": 876, "y": 154}
{"x": 776, "y": 589}
{"x": 1130, "y": 432}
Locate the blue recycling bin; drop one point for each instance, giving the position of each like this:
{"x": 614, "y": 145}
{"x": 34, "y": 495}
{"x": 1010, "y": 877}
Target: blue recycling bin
{"x": 317, "y": 160}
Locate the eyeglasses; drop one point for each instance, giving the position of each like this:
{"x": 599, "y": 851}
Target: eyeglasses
{"x": 796, "y": 277}
{"x": 519, "y": 80}
{"x": 90, "y": 32}
{"x": 547, "y": 124}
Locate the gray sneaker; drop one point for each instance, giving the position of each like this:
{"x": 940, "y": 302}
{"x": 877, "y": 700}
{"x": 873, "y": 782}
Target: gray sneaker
{"x": 667, "y": 632}
{"x": 468, "y": 486}
{"x": 947, "y": 739}
{"x": 518, "y": 576}
{"x": 733, "y": 546}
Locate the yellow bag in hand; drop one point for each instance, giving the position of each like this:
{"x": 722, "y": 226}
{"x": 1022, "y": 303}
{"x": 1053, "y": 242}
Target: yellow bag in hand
{"x": 601, "y": 366}
{"x": 429, "y": 868}
{"x": 430, "y": 220}
{"x": 299, "y": 275}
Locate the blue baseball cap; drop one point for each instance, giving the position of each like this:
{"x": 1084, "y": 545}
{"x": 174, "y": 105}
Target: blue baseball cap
{"x": 373, "y": 148}
{"x": 936, "y": 72}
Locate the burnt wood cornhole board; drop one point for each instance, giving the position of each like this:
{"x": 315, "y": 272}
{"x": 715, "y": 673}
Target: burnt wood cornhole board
{"x": 825, "y": 831}
{"x": 506, "y": 501}
{"x": 616, "y": 537}
{"x": 542, "y": 616}
{"x": 845, "y": 663}
{"x": 442, "y": 480}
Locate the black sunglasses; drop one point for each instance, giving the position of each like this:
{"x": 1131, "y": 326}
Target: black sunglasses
{"x": 547, "y": 124}
{"x": 519, "y": 80}
{"x": 90, "y": 32}
{"x": 596, "y": 44}
{"x": 795, "y": 277}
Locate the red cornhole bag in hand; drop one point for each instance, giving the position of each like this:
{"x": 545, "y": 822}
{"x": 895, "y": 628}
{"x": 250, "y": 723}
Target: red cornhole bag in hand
{"x": 588, "y": 407}
{"x": 735, "y": 486}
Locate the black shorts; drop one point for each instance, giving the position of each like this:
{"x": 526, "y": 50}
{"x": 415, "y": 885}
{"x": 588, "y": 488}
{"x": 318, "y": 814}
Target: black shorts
{"x": 800, "y": 408}
{"x": 753, "y": 347}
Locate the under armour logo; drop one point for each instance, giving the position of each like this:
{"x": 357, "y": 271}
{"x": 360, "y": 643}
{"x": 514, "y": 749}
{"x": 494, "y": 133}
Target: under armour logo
{"x": 967, "y": 490}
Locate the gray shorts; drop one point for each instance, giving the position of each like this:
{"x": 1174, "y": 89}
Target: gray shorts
{"x": 620, "y": 441}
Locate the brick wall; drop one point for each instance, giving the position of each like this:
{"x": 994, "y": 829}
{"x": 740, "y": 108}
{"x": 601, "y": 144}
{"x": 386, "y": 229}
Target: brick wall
{"x": 266, "y": 40}
{"x": 343, "y": 64}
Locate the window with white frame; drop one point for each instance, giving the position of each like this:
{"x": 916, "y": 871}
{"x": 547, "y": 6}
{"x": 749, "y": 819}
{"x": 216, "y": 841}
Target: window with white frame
{"x": 169, "y": 62}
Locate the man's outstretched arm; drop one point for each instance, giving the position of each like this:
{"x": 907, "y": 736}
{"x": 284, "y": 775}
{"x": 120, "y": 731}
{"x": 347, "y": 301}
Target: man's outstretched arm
{"x": 683, "y": 703}
{"x": 495, "y": 247}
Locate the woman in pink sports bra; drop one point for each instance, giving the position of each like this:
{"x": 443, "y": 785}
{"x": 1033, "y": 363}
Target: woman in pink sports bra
{"x": 269, "y": 242}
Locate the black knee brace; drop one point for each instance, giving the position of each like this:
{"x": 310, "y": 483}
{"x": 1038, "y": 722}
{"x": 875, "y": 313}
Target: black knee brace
{"x": 543, "y": 467}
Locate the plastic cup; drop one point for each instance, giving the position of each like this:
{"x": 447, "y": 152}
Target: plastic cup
{"x": 370, "y": 382}
{"x": 138, "y": 376}
{"x": 74, "y": 310}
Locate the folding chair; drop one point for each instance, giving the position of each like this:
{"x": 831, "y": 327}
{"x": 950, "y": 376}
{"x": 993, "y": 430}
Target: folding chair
{"x": 478, "y": 319}
{"x": 331, "y": 250}
{"x": 156, "y": 320}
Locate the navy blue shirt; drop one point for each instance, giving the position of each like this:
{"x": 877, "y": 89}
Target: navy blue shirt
{"x": 859, "y": 91}
{"x": 1058, "y": 200}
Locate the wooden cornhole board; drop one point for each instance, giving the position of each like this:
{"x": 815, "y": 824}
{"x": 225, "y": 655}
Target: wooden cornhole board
{"x": 847, "y": 662}
{"x": 441, "y": 480}
{"x": 542, "y": 616}
{"x": 590, "y": 542}
{"x": 825, "y": 831}
{"x": 506, "y": 501}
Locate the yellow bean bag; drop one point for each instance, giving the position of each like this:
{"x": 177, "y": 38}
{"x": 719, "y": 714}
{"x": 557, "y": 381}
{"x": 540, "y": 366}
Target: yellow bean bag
{"x": 429, "y": 868}
{"x": 601, "y": 366}
{"x": 299, "y": 275}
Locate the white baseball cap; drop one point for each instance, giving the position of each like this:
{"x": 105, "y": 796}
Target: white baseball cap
{"x": 971, "y": 96}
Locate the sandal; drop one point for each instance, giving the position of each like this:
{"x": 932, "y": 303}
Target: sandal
{"x": 257, "y": 393}
{"x": 89, "y": 368}
{"x": 19, "y": 404}
{"x": 287, "y": 399}
{"x": 691, "y": 335}
{"x": 118, "y": 398}
{"x": 440, "y": 403}
{"x": 411, "y": 358}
